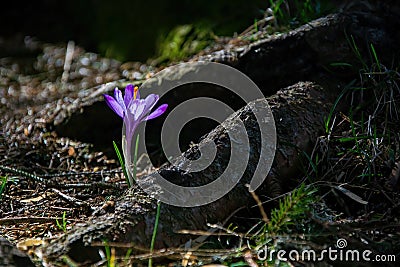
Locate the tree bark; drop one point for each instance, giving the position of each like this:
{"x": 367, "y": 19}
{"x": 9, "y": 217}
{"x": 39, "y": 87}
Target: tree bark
{"x": 11, "y": 256}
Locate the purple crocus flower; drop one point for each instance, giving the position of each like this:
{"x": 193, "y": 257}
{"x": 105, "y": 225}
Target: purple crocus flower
{"x": 133, "y": 111}
{"x": 132, "y": 108}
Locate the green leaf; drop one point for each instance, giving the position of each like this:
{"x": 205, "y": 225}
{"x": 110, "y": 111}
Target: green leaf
{"x": 3, "y": 185}
{"x": 153, "y": 238}
{"x": 121, "y": 162}
{"x": 340, "y": 64}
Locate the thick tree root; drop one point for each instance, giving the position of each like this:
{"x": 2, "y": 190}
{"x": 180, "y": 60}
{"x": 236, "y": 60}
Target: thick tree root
{"x": 298, "y": 111}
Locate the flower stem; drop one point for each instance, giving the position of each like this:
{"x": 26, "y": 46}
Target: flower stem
{"x": 135, "y": 157}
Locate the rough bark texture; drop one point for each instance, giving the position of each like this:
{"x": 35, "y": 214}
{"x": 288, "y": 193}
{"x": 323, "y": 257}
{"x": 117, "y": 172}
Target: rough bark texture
{"x": 11, "y": 256}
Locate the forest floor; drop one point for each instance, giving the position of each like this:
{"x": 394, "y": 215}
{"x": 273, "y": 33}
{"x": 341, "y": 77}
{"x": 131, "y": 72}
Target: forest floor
{"x": 50, "y": 183}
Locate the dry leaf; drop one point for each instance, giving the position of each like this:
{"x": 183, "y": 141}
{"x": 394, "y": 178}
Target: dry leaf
{"x": 30, "y": 242}
{"x": 71, "y": 151}
{"x": 34, "y": 199}
{"x": 351, "y": 195}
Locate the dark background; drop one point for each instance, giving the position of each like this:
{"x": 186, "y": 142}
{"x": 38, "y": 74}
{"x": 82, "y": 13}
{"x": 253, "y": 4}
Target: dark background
{"x": 122, "y": 29}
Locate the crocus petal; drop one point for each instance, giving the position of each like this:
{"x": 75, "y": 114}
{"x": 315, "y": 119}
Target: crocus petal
{"x": 151, "y": 101}
{"x": 159, "y": 111}
{"x": 128, "y": 94}
{"x": 141, "y": 110}
{"x": 133, "y": 105}
{"x": 114, "y": 105}
{"x": 118, "y": 97}
{"x": 130, "y": 125}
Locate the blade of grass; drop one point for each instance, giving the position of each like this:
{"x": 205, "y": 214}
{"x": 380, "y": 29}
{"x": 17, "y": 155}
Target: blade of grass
{"x": 153, "y": 238}
{"x": 356, "y": 138}
{"x": 328, "y": 120}
{"x": 340, "y": 64}
{"x": 108, "y": 254}
{"x": 376, "y": 57}
{"x": 63, "y": 224}
{"x": 353, "y": 131}
{"x": 121, "y": 162}
{"x": 128, "y": 253}
{"x": 313, "y": 165}
{"x": 3, "y": 185}
{"x": 357, "y": 52}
